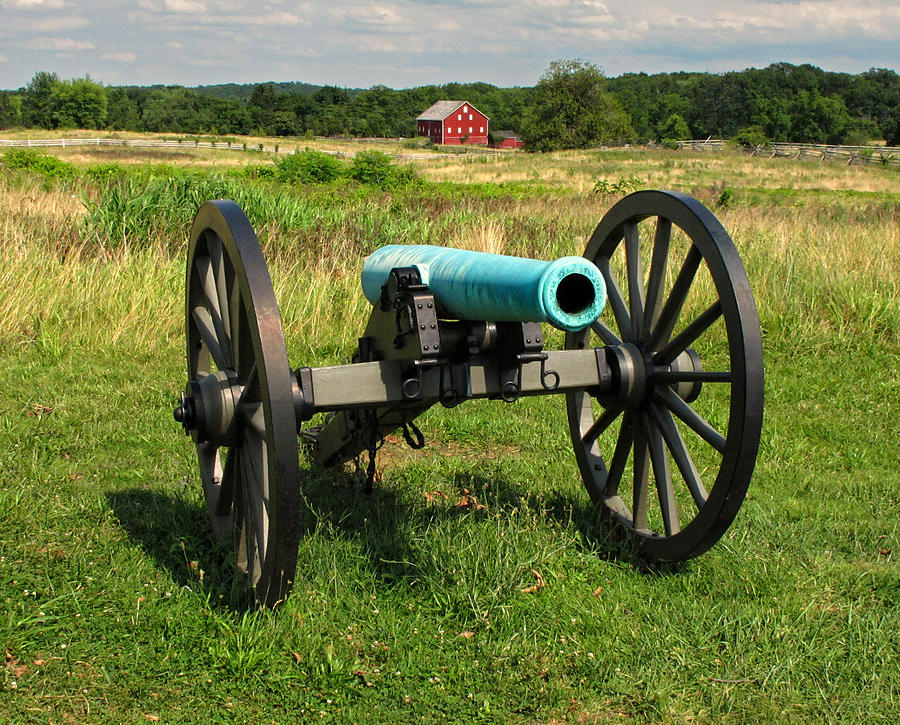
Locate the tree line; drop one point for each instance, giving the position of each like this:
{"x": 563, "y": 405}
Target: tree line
{"x": 572, "y": 105}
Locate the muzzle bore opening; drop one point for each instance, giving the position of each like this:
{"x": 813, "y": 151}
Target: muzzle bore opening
{"x": 575, "y": 293}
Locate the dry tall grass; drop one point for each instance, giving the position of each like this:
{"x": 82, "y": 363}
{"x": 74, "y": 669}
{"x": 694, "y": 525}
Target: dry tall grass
{"x": 823, "y": 267}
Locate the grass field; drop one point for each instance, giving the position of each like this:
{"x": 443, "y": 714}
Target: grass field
{"x": 117, "y": 606}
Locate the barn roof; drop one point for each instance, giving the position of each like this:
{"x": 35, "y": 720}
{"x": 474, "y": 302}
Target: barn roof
{"x": 440, "y": 110}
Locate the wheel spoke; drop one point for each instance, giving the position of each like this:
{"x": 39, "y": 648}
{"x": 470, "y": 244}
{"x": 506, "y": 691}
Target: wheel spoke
{"x": 680, "y": 453}
{"x": 208, "y": 281}
{"x": 255, "y": 484}
{"x": 668, "y": 317}
{"x": 690, "y": 417}
{"x": 635, "y": 280}
{"x": 226, "y": 487}
{"x": 604, "y": 333}
{"x": 213, "y": 292}
{"x": 680, "y": 342}
{"x": 600, "y": 425}
{"x": 218, "y": 263}
{"x": 206, "y": 457}
{"x": 206, "y": 326}
{"x": 653, "y": 303}
{"x": 664, "y": 375}
{"x": 662, "y": 476}
{"x": 616, "y": 301}
{"x": 255, "y": 420}
{"x": 641, "y": 479}
{"x": 620, "y": 455}
{"x": 239, "y": 528}
{"x": 249, "y": 390}
{"x": 247, "y": 533}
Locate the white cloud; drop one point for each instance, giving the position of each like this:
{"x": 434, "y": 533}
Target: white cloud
{"x": 54, "y": 23}
{"x": 58, "y": 44}
{"x": 267, "y": 20}
{"x": 33, "y": 4}
{"x": 126, "y": 57}
{"x": 185, "y": 6}
{"x": 412, "y": 42}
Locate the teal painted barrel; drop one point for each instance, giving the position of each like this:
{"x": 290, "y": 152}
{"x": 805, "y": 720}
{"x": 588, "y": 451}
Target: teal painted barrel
{"x": 569, "y": 292}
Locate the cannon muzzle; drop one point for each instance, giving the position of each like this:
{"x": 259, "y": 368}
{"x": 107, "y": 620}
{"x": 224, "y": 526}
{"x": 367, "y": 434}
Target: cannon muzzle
{"x": 569, "y": 292}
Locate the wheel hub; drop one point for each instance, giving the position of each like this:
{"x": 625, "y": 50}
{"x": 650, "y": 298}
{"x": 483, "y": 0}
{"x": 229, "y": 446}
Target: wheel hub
{"x": 206, "y": 409}
{"x": 636, "y": 376}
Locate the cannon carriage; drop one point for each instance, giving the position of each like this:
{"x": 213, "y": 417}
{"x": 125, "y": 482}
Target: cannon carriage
{"x": 663, "y": 389}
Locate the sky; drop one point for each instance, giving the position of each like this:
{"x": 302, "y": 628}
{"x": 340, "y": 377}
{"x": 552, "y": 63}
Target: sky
{"x": 404, "y": 43}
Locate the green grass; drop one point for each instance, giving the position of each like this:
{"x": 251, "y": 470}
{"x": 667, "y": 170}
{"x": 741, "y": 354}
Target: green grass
{"x": 116, "y": 605}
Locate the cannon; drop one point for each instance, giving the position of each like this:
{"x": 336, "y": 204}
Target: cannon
{"x": 658, "y": 354}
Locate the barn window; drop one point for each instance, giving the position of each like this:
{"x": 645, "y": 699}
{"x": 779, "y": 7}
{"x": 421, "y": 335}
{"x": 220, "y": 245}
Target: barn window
{"x": 459, "y": 117}
{"x": 459, "y": 130}
{"x": 481, "y": 129}
{"x": 470, "y": 116}
{"x": 470, "y": 129}
{"x": 465, "y": 109}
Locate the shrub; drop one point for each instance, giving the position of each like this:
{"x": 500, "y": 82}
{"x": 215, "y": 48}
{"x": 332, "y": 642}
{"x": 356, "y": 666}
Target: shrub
{"x": 751, "y": 136}
{"x": 406, "y": 175}
{"x": 375, "y": 168}
{"x": 258, "y": 171}
{"x": 622, "y": 185}
{"x": 308, "y": 167}
{"x": 37, "y": 162}
{"x": 725, "y": 198}
{"x": 372, "y": 167}
{"x": 861, "y": 133}
{"x": 104, "y": 173}
{"x": 675, "y": 128}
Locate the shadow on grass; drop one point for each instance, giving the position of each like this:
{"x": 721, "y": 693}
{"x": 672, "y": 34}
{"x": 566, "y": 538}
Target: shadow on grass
{"x": 385, "y": 525}
{"x": 176, "y": 535}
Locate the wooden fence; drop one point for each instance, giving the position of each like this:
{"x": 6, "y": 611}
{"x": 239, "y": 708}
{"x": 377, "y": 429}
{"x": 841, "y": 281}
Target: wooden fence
{"x": 850, "y": 155}
{"x": 223, "y": 145}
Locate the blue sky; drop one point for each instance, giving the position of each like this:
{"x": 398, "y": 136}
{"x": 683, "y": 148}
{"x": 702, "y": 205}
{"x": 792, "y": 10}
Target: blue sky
{"x": 402, "y": 43}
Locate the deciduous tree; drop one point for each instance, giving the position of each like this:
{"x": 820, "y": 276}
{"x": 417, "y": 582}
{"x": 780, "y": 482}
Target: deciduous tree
{"x": 37, "y": 101}
{"x": 571, "y": 108}
{"x": 78, "y": 103}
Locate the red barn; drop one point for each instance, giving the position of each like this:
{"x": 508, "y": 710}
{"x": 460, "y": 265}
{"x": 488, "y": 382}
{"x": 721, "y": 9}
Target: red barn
{"x": 453, "y": 122}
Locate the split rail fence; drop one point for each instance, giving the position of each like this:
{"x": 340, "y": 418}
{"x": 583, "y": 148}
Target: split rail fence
{"x": 850, "y": 155}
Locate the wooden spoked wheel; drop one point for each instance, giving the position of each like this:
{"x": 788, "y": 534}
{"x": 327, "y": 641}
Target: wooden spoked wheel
{"x": 668, "y": 454}
{"x": 238, "y": 404}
